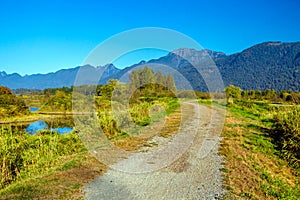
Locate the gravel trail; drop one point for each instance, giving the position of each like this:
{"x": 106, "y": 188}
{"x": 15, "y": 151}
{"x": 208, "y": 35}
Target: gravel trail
{"x": 185, "y": 166}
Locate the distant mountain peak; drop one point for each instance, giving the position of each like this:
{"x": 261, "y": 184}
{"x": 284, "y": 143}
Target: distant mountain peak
{"x": 3, "y": 74}
{"x": 142, "y": 62}
{"x": 190, "y": 53}
{"x": 273, "y": 43}
{"x": 182, "y": 52}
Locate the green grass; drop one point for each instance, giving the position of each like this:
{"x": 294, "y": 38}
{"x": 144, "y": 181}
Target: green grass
{"x": 220, "y": 103}
{"x": 172, "y": 105}
{"x": 23, "y": 155}
{"x": 283, "y": 124}
{"x": 254, "y": 166}
{"x": 63, "y": 181}
{"x": 259, "y": 143}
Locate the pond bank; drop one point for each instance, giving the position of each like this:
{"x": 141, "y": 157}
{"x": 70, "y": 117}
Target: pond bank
{"x": 39, "y": 116}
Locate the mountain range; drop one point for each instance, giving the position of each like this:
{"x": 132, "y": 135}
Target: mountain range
{"x": 269, "y": 65}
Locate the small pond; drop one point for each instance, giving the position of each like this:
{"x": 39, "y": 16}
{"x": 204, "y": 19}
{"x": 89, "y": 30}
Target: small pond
{"x": 59, "y": 124}
{"x": 40, "y": 125}
{"x": 33, "y": 109}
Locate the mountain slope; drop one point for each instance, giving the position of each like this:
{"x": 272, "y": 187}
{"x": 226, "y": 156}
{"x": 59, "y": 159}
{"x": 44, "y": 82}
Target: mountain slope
{"x": 269, "y": 65}
{"x": 272, "y": 65}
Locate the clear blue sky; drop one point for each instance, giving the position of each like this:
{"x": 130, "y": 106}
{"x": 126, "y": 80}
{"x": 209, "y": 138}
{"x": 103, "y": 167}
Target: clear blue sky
{"x": 44, "y": 36}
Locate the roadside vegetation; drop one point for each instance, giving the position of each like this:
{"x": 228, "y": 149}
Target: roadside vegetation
{"x": 51, "y": 165}
{"x": 260, "y": 144}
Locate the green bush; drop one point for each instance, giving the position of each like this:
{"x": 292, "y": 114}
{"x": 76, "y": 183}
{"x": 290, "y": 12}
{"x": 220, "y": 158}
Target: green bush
{"x": 108, "y": 124}
{"x": 60, "y": 102}
{"x": 10, "y": 104}
{"x": 140, "y": 113}
{"x": 287, "y": 133}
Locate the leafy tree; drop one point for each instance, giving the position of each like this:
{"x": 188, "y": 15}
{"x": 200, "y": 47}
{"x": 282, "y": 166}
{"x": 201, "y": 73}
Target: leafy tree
{"x": 10, "y": 104}
{"x": 107, "y": 90}
{"x": 160, "y": 81}
{"x": 233, "y": 92}
{"x": 149, "y": 83}
{"x": 160, "y": 78}
{"x": 170, "y": 83}
{"x": 5, "y": 91}
{"x": 58, "y": 102}
{"x": 141, "y": 77}
{"x": 258, "y": 94}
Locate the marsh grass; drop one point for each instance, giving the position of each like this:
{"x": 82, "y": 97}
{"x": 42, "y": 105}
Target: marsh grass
{"x": 23, "y": 155}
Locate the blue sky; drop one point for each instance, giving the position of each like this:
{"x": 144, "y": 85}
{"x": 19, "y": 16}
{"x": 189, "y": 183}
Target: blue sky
{"x": 45, "y": 36}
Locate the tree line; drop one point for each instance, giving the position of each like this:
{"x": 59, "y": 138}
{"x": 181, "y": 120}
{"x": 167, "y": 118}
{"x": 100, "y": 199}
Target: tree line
{"x": 235, "y": 93}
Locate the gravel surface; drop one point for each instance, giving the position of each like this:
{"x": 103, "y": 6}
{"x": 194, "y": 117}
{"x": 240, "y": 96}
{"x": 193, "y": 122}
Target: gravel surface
{"x": 185, "y": 166}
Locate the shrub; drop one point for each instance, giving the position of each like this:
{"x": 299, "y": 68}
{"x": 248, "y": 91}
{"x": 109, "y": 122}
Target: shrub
{"x": 287, "y": 133}
{"x": 10, "y": 104}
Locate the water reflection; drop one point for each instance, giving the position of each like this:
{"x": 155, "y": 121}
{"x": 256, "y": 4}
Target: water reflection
{"x": 62, "y": 130}
{"x": 36, "y": 126}
{"x": 33, "y": 109}
{"x": 61, "y": 127}
{"x": 59, "y": 124}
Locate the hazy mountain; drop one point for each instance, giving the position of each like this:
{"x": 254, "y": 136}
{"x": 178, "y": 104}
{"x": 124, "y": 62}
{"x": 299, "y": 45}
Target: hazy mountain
{"x": 64, "y": 77}
{"x": 272, "y": 65}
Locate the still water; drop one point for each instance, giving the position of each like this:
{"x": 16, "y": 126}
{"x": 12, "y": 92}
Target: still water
{"x": 34, "y": 109}
{"x": 59, "y": 124}
{"x": 39, "y": 125}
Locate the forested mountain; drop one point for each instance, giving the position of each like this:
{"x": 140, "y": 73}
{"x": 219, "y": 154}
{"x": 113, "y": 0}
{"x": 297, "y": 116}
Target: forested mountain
{"x": 273, "y": 65}
{"x": 269, "y": 65}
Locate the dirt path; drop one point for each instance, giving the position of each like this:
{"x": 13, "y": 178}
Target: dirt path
{"x": 185, "y": 166}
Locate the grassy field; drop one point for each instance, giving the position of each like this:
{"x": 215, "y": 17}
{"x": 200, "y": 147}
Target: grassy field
{"x": 64, "y": 180}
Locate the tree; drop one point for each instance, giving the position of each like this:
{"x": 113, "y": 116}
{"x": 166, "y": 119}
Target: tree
{"x": 107, "y": 90}
{"x": 233, "y": 92}
{"x": 5, "y": 91}
{"x": 244, "y": 95}
{"x": 147, "y": 76}
{"x": 258, "y": 94}
{"x": 170, "y": 83}
{"x": 160, "y": 78}
{"x": 141, "y": 77}
{"x": 149, "y": 83}
{"x": 10, "y": 104}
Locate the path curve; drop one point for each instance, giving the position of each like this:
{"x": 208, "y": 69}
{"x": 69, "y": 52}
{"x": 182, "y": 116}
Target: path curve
{"x": 194, "y": 175}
